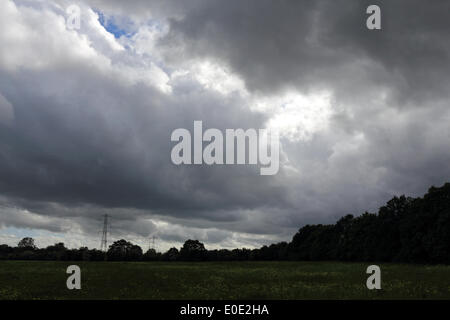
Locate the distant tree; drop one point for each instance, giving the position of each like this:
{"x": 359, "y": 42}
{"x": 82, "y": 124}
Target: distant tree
{"x": 425, "y": 228}
{"x": 124, "y": 250}
{"x": 57, "y": 247}
{"x": 387, "y": 227}
{"x": 5, "y": 251}
{"x": 27, "y": 243}
{"x": 120, "y": 247}
{"x": 56, "y": 252}
{"x": 193, "y": 250}
{"x": 96, "y": 255}
{"x": 279, "y": 251}
{"x": 135, "y": 253}
{"x": 84, "y": 254}
{"x": 151, "y": 255}
{"x": 300, "y": 246}
{"x": 171, "y": 255}
{"x": 404, "y": 230}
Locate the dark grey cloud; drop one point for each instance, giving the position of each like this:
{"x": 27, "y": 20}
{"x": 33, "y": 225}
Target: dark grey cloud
{"x": 85, "y": 124}
{"x": 308, "y": 44}
{"x": 115, "y": 150}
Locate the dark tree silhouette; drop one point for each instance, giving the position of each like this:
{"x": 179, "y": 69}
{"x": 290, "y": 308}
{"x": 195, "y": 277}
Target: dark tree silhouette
{"x": 171, "y": 255}
{"x": 152, "y": 255}
{"x": 404, "y": 230}
{"x": 193, "y": 250}
{"x": 27, "y": 243}
{"x": 124, "y": 250}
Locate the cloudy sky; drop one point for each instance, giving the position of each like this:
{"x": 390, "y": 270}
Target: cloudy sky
{"x": 86, "y": 115}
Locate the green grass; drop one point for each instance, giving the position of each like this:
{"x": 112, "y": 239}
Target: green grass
{"x": 224, "y": 280}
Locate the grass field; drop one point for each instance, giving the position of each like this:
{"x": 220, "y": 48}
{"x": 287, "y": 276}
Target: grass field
{"x": 225, "y": 280}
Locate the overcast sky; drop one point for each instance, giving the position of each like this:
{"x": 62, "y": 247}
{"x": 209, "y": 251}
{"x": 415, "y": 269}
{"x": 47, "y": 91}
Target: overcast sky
{"x": 86, "y": 115}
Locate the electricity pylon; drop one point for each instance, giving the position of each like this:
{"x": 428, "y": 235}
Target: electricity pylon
{"x": 104, "y": 243}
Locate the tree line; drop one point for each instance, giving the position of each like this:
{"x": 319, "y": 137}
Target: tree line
{"x": 411, "y": 230}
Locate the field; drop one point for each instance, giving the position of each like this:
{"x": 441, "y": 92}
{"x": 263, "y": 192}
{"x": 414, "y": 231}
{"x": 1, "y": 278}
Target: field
{"x": 225, "y": 280}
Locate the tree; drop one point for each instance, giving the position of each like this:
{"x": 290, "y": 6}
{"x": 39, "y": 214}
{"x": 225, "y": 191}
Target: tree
{"x": 124, "y": 250}
{"x": 56, "y": 252}
{"x": 5, "y": 251}
{"x": 193, "y": 250}
{"x": 27, "y": 243}
{"x": 404, "y": 230}
{"x": 57, "y": 247}
{"x": 171, "y": 255}
{"x": 151, "y": 255}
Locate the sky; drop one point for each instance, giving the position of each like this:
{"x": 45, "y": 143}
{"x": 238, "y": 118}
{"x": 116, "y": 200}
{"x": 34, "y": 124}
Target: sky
{"x": 86, "y": 115}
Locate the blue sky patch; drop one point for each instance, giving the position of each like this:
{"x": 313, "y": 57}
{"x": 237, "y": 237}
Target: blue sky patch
{"x": 111, "y": 26}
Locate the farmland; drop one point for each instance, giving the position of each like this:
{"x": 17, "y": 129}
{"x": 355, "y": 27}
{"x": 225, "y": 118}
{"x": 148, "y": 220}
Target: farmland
{"x": 221, "y": 280}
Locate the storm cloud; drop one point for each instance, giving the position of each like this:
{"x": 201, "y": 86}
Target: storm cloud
{"x": 86, "y": 115}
